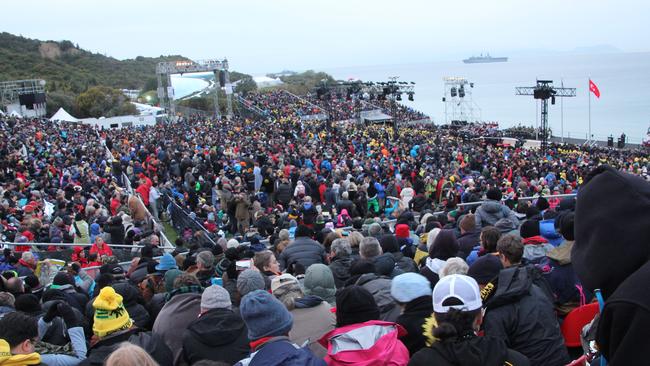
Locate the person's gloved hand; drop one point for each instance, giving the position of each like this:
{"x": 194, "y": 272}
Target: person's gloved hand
{"x": 52, "y": 312}
{"x": 69, "y": 317}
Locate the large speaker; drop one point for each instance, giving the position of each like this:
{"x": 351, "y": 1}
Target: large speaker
{"x": 610, "y": 141}
{"x": 27, "y": 100}
{"x": 39, "y": 98}
{"x": 222, "y": 78}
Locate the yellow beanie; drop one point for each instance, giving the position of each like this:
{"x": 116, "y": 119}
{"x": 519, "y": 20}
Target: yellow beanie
{"x": 7, "y": 359}
{"x": 110, "y": 314}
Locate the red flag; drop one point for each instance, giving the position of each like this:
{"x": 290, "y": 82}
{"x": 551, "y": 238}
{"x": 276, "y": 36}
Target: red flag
{"x": 594, "y": 89}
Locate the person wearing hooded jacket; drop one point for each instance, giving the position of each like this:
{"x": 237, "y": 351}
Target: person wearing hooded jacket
{"x": 303, "y": 250}
{"x": 340, "y": 261}
{"x": 491, "y": 211}
{"x": 412, "y": 292}
{"x": 519, "y": 309}
{"x": 457, "y": 314}
{"x": 363, "y": 274}
{"x": 613, "y": 255}
{"x": 445, "y": 246}
{"x": 218, "y": 333}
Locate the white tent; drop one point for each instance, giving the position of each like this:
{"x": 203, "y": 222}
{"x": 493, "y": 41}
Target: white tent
{"x": 62, "y": 115}
{"x": 15, "y": 114}
{"x": 2, "y": 113}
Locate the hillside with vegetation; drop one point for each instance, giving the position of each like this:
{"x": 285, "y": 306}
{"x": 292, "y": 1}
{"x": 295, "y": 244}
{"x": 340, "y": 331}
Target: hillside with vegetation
{"x": 70, "y": 70}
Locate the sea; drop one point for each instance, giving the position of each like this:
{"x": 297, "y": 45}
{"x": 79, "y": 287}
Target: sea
{"x": 622, "y": 78}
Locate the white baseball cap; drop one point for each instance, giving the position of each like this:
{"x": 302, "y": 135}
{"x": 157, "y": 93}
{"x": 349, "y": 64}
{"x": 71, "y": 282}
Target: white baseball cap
{"x": 461, "y": 287}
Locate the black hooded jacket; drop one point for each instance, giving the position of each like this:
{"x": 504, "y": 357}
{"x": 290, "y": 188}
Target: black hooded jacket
{"x": 340, "y": 266}
{"x": 473, "y": 351}
{"x": 218, "y": 335}
{"x": 612, "y": 253}
{"x": 151, "y": 343}
{"x": 521, "y": 313}
{"x": 412, "y": 319}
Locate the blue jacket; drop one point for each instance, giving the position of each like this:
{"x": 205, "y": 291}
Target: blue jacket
{"x": 281, "y": 352}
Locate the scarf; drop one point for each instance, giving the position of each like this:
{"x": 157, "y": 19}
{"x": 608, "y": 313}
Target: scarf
{"x": 184, "y": 290}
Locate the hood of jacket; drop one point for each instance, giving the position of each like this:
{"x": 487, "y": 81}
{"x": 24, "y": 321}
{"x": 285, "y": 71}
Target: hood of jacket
{"x": 217, "y": 327}
{"x": 613, "y": 207}
{"x": 385, "y": 264}
{"x": 492, "y": 207}
{"x": 475, "y": 351}
{"x": 562, "y": 253}
{"x": 511, "y": 284}
{"x": 308, "y": 301}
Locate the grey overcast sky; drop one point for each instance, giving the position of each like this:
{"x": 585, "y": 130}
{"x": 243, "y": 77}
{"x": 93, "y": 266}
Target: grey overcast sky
{"x": 271, "y": 35}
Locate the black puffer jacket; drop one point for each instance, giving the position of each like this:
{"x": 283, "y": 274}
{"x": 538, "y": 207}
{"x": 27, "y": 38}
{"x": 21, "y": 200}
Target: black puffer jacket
{"x": 340, "y": 266}
{"x": 521, "y": 313}
{"x": 412, "y": 319}
{"x": 304, "y": 251}
{"x": 218, "y": 335}
{"x": 471, "y": 351}
{"x": 151, "y": 343}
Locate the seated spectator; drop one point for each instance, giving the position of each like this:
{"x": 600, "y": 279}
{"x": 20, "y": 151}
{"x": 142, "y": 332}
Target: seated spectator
{"x": 455, "y": 265}
{"x": 363, "y": 274}
{"x": 445, "y": 246}
{"x": 457, "y": 312}
{"x": 129, "y": 354}
{"x": 412, "y": 292}
{"x": 469, "y": 235}
{"x": 535, "y": 246}
{"x": 519, "y": 311}
{"x": 303, "y": 250}
{"x": 356, "y": 323}
{"x": 340, "y": 261}
{"x": 488, "y": 243}
{"x": 269, "y": 323}
{"x": 19, "y": 333}
{"x": 26, "y": 264}
{"x": 319, "y": 282}
{"x": 311, "y": 315}
{"x": 112, "y": 326}
{"x": 218, "y": 333}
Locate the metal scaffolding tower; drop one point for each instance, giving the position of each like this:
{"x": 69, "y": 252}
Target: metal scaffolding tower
{"x": 459, "y": 105}
{"x": 544, "y": 91}
{"x": 164, "y": 70}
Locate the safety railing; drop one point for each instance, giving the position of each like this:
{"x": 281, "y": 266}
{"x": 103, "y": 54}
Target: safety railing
{"x": 181, "y": 219}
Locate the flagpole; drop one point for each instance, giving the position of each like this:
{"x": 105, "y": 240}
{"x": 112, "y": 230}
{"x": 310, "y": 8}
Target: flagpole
{"x": 562, "y": 114}
{"x": 589, "y": 92}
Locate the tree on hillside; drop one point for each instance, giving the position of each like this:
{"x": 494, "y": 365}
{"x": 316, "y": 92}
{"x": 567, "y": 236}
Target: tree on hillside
{"x": 103, "y": 101}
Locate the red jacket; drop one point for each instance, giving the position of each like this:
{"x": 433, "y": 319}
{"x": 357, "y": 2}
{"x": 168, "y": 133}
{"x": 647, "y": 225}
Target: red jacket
{"x": 106, "y": 250}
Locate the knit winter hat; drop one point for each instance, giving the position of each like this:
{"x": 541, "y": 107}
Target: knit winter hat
{"x": 529, "y": 228}
{"x": 166, "y": 263}
{"x": 110, "y": 314}
{"x": 249, "y": 281}
{"x": 232, "y": 243}
{"x": 264, "y": 315}
{"x": 402, "y": 231}
{"x": 319, "y": 281}
{"x": 215, "y": 297}
{"x": 354, "y": 304}
{"x": 409, "y": 286}
{"x": 282, "y": 280}
{"x": 170, "y": 276}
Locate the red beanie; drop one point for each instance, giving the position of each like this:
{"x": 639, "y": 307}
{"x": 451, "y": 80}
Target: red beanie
{"x": 402, "y": 231}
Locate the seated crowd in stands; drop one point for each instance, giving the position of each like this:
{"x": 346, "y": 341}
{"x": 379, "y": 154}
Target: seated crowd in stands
{"x": 294, "y": 263}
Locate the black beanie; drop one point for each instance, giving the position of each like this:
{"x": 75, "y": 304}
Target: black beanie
{"x": 29, "y": 304}
{"x": 566, "y": 226}
{"x": 542, "y": 204}
{"x": 62, "y": 278}
{"x": 146, "y": 251}
{"x": 494, "y": 194}
{"x": 303, "y": 230}
{"x": 608, "y": 251}
{"x": 362, "y": 266}
{"x": 354, "y": 304}
{"x": 389, "y": 243}
{"x": 529, "y": 228}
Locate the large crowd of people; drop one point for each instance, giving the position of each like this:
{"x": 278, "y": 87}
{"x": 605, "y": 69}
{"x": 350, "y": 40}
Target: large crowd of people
{"x": 343, "y": 245}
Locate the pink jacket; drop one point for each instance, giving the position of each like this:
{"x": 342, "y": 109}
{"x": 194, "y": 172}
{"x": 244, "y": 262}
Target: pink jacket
{"x": 373, "y": 343}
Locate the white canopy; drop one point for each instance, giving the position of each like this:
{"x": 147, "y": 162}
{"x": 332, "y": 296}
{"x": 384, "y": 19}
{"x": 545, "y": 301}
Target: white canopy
{"x": 62, "y": 115}
{"x": 14, "y": 114}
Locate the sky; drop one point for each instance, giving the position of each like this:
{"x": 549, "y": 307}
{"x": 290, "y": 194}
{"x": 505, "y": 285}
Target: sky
{"x": 260, "y": 36}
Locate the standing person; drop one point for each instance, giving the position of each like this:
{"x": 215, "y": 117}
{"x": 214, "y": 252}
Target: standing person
{"x": 80, "y": 230}
{"x": 340, "y": 261}
{"x": 491, "y": 211}
{"x": 154, "y": 196}
{"x": 457, "y": 312}
{"x": 269, "y": 324}
{"x": 444, "y": 246}
{"x": 519, "y": 311}
{"x": 469, "y": 236}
